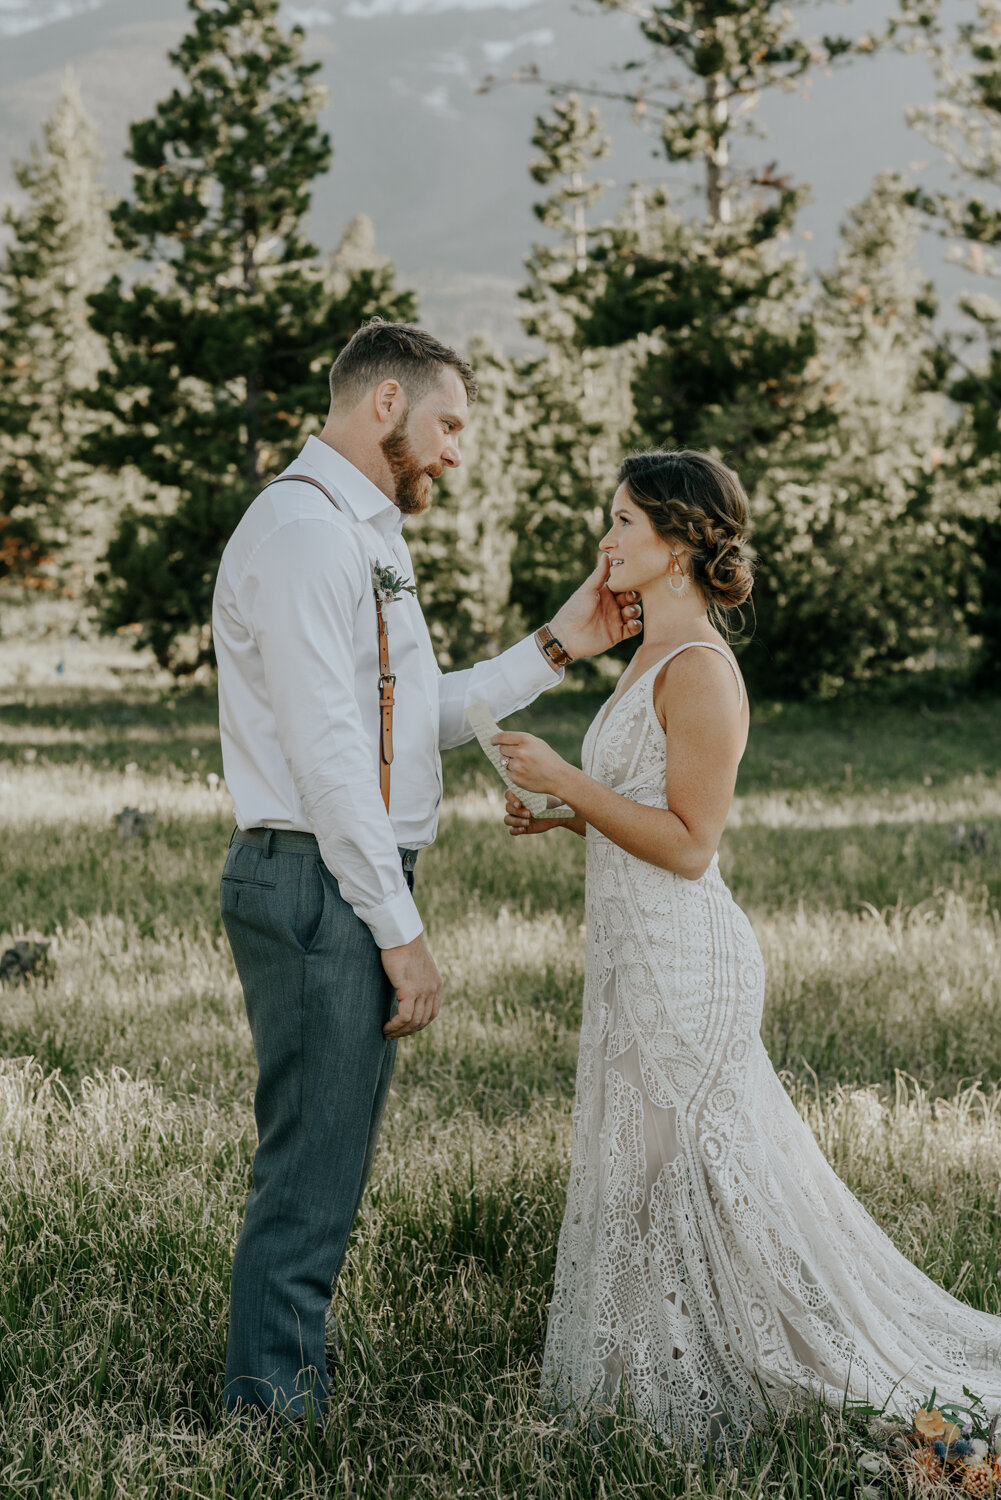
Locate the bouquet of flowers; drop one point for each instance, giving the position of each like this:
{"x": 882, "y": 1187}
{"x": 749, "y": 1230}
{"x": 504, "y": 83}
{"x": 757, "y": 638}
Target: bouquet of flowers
{"x": 950, "y": 1449}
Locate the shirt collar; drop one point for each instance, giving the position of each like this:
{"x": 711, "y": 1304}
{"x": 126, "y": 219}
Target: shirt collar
{"x": 366, "y": 500}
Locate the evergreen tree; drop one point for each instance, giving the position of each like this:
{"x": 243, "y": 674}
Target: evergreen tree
{"x": 855, "y": 527}
{"x": 218, "y": 356}
{"x": 575, "y": 399}
{"x": 719, "y": 298}
{"x": 856, "y": 552}
{"x": 728, "y": 332}
{"x": 59, "y": 252}
{"x": 965, "y": 122}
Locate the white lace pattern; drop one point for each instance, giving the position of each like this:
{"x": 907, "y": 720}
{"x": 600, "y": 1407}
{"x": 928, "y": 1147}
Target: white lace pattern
{"x": 709, "y": 1255}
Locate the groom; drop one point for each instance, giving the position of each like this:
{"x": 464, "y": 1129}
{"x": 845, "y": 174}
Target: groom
{"x": 317, "y": 889}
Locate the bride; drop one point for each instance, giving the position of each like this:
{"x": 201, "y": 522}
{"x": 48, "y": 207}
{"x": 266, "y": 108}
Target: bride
{"x": 710, "y": 1261}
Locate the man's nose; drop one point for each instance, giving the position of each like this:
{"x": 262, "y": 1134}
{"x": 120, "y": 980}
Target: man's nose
{"x": 450, "y": 455}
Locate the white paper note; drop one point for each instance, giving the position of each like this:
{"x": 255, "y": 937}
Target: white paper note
{"x": 484, "y": 727}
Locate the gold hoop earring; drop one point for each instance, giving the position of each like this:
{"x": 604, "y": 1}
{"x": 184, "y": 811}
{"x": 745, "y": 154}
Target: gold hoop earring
{"x": 676, "y": 571}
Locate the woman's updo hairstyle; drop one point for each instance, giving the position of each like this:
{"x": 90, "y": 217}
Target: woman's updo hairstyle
{"x": 694, "y": 499}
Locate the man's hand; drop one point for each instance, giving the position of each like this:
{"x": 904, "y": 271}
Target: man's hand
{"x": 593, "y": 618}
{"x": 414, "y": 975}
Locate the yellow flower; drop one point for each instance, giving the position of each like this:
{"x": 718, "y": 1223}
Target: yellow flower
{"x": 930, "y": 1424}
{"x": 950, "y": 1432}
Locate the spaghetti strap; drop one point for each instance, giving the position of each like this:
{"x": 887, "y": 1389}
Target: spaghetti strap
{"x": 614, "y": 700}
{"x": 712, "y": 646}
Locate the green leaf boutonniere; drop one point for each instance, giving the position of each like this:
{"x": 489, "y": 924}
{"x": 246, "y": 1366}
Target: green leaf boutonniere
{"x": 389, "y": 585}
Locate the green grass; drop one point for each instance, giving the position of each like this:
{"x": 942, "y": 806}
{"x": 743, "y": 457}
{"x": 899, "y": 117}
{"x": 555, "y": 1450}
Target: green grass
{"x": 864, "y": 844}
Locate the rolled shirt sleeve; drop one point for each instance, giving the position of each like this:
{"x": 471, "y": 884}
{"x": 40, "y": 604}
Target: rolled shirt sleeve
{"x": 302, "y": 594}
{"x": 505, "y": 683}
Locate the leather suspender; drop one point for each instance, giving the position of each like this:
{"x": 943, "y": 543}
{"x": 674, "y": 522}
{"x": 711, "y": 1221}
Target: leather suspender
{"x": 387, "y": 679}
{"x": 387, "y": 682}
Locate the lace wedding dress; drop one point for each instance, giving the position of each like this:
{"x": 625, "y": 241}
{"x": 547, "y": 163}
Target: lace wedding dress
{"x": 709, "y": 1256}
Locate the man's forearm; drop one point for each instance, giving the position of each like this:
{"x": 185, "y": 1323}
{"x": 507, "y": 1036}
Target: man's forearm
{"x": 505, "y": 683}
{"x": 358, "y": 847}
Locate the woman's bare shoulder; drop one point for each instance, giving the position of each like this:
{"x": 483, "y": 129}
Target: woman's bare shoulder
{"x": 705, "y": 681}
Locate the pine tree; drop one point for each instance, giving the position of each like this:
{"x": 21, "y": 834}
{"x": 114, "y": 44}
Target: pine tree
{"x": 723, "y": 311}
{"x": 60, "y": 251}
{"x": 855, "y": 528}
{"x": 965, "y": 123}
{"x": 218, "y": 355}
{"x": 718, "y": 298}
{"x": 575, "y": 400}
{"x": 740, "y": 357}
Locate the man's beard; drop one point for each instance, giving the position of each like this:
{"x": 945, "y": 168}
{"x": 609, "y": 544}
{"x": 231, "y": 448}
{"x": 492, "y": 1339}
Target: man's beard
{"x": 411, "y": 479}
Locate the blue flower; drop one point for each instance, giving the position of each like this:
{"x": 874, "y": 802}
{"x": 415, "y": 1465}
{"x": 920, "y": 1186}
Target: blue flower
{"x": 938, "y": 1448}
{"x": 961, "y": 1448}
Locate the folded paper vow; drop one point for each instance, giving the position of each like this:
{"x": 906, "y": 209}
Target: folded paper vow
{"x": 484, "y": 727}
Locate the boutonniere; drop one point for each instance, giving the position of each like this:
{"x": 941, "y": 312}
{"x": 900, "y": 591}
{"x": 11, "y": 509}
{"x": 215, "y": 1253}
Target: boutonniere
{"x": 389, "y": 585}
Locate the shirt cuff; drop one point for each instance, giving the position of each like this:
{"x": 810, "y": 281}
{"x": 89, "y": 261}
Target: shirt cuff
{"x": 394, "y": 922}
{"x": 525, "y": 667}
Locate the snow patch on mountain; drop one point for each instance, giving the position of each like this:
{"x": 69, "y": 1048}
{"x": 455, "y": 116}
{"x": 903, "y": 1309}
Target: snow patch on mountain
{"x": 307, "y": 15}
{"x": 496, "y": 52}
{"x": 20, "y": 16}
{"x": 370, "y": 10}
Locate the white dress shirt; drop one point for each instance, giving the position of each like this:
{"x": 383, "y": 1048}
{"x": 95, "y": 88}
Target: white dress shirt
{"x": 296, "y": 640}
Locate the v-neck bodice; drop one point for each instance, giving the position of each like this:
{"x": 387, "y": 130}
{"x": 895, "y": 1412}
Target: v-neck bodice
{"x": 625, "y": 746}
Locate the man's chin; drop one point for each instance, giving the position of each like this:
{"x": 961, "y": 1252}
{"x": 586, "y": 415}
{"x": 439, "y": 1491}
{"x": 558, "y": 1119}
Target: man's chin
{"x": 410, "y": 506}
{"x": 417, "y": 498}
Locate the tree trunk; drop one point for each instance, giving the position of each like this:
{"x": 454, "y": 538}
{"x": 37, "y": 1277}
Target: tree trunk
{"x": 251, "y": 405}
{"x": 718, "y": 204}
{"x": 579, "y": 223}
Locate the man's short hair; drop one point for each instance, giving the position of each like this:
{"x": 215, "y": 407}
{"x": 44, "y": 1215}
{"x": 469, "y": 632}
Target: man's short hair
{"x": 393, "y": 351}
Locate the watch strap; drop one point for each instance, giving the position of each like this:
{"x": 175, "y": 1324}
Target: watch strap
{"x": 553, "y": 650}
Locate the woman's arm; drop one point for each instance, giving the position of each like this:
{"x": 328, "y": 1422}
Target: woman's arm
{"x": 705, "y": 740}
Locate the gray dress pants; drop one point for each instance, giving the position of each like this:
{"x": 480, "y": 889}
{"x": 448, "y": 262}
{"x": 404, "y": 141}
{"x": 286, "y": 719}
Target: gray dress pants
{"x": 317, "y": 999}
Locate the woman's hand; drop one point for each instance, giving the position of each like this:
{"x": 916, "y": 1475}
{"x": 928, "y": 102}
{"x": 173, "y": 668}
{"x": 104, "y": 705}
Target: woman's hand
{"x": 520, "y": 820}
{"x": 530, "y": 762}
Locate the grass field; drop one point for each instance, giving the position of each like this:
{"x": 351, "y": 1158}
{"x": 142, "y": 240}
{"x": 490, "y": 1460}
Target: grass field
{"x": 864, "y": 843}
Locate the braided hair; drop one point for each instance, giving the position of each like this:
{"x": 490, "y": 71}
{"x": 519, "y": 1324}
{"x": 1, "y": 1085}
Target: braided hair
{"x": 695, "y": 499}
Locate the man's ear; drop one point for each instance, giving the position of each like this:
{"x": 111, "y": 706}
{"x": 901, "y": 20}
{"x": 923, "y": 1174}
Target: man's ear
{"x": 388, "y": 400}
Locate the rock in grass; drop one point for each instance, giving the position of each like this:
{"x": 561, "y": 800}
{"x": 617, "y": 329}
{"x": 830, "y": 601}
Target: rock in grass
{"x": 27, "y": 959}
{"x": 132, "y": 823}
{"x": 968, "y": 840}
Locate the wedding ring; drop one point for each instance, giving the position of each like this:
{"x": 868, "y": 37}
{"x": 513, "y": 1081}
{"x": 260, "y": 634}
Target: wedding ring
{"x": 504, "y": 761}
